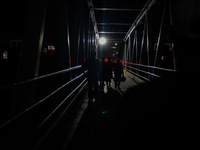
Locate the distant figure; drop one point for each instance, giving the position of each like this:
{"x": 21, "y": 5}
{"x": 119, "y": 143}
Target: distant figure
{"x": 108, "y": 72}
{"x": 92, "y": 65}
{"x": 102, "y": 73}
{"x": 118, "y": 72}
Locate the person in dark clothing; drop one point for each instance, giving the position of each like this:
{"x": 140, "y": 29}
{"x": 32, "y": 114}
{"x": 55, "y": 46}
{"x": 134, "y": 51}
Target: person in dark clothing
{"x": 102, "y": 73}
{"x": 92, "y": 65}
{"x": 118, "y": 72}
{"x": 108, "y": 72}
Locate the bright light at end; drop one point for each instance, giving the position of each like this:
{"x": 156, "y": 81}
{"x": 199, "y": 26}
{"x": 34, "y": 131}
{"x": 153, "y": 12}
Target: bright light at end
{"x": 102, "y": 41}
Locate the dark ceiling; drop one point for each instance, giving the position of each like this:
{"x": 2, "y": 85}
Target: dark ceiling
{"x": 115, "y": 17}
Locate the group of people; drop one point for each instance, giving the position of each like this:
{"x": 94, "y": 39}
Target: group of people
{"x": 106, "y": 72}
{"x": 102, "y": 72}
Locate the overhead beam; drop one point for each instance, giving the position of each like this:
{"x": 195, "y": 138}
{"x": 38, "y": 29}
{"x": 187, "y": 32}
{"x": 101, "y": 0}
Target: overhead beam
{"x": 116, "y": 9}
{"x": 142, "y": 13}
{"x": 92, "y": 14}
{"x": 115, "y": 40}
{"x": 115, "y": 24}
{"x": 102, "y": 32}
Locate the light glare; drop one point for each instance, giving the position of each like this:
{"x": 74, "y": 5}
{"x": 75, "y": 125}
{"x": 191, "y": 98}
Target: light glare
{"x": 102, "y": 41}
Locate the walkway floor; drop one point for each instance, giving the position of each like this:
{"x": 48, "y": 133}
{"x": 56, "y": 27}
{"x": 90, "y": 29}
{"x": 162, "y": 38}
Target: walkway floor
{"x": 98, "y": 129}
{"x": 150, "y": 115}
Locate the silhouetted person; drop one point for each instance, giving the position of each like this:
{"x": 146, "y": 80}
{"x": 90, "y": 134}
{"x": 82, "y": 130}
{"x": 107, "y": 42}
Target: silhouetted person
{"x": 108, "y": 71}
{"x": 118, "y": 72}
{"x": 92, "y": 65}
{"x": 102, "y": 73}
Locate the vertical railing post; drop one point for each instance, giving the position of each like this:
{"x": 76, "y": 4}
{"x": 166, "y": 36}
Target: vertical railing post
{"x": 125, "y": 49}
{"x": 128, "y": 49}
{"x": 28, "y": 68}
{"x": 136, "y": 48}
{"x": 133, "y": 50}
{"x": 142, "y": 42}
{"x": 147, "y": 38}
{"x": 160, "y": 32}
{"x": 68, "y": 39}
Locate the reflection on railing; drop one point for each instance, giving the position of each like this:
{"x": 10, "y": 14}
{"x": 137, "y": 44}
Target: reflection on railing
{"x": 50, "y": 119}
{"x": 145, "y": 72}
{"x": 40, "y": 77}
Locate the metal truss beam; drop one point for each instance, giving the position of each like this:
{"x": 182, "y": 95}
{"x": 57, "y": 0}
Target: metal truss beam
{"x": 142, "y": 13}
{"x": 92, "y": 14}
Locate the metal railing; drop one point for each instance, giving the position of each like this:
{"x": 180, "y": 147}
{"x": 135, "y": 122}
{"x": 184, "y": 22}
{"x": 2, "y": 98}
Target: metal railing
{"x": 143, "y": 53}
{"x": 40, "y": 77}
{"x": 59, "y": 110}
{"x": 145, "y": 72}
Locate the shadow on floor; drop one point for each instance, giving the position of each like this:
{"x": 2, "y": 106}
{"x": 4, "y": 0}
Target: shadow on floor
{"x": 97, "y": 129}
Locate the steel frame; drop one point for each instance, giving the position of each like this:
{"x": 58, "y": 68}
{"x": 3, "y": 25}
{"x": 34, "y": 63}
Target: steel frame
{"x": 133, "y": 57}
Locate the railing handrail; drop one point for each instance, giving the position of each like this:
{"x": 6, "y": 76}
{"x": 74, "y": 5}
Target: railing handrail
{"x": 137, "y": 74}
{"x": 137, "y": 68}
{"x": 41, "y": 77}
{"x": 152, "y": 74}
{"x": 152, "y": 67}
{"x": 59, "y": 116}
{"x": 41, "y": 101}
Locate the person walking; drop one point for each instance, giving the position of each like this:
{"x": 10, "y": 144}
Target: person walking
{"x": 102, "y": 73}
{"x": 118, "y": 73}
{"x": 108, "y": 72}
{"x": 92, "y": 65}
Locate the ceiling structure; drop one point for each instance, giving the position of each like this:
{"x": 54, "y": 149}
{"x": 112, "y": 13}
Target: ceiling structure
{"x": 115, "y": 17}
{"x": 112, "y": 19}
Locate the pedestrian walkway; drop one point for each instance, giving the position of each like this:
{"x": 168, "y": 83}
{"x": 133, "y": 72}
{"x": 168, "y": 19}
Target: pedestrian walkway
{"x": 98, "y": 129}
{"x": 125, "y": 85}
